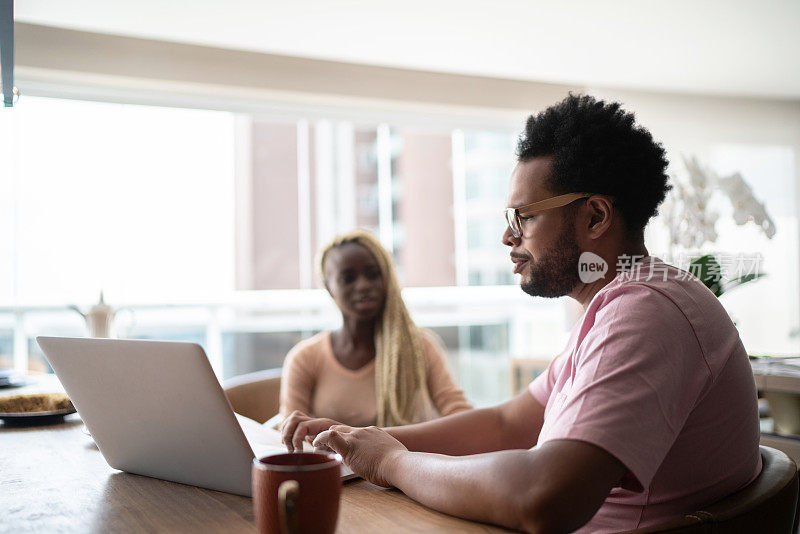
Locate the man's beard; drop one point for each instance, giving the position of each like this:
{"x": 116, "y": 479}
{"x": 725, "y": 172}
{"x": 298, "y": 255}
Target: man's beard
{"x": 555, "y": 274}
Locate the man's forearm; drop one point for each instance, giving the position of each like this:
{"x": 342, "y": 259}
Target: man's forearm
{"x": 492, "y": 488}
{"x": 556, "y": 488}
{"x": 512, "y": 425}
{"x": 470, "y": 432}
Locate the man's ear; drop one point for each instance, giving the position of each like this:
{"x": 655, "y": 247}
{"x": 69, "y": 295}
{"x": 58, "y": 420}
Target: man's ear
{"x": 601, "y": 214}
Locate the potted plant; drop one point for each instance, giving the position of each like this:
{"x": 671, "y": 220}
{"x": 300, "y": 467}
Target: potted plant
{"x": 691, "y": 223}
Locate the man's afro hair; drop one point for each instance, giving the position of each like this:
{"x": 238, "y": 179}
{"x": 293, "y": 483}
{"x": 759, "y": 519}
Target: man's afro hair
{"x": 598, "y": 148}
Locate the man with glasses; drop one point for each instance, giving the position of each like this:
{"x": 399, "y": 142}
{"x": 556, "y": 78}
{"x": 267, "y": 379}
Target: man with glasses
{"x": 649, "y": 413}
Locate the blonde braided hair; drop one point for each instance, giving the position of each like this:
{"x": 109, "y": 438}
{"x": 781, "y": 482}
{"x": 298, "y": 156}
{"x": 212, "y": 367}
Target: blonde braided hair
{"x": 400, "y": 369}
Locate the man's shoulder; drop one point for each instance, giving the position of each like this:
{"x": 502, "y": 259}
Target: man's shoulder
{"x": 654, "y": 282}
{"x": 668, "y": 304}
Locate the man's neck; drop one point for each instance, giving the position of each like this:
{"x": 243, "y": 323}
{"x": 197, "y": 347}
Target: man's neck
{"x": 584, "y": 293}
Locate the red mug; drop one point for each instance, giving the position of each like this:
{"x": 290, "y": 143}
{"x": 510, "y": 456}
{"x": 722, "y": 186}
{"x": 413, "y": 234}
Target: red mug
{"x": 297, "y": 493}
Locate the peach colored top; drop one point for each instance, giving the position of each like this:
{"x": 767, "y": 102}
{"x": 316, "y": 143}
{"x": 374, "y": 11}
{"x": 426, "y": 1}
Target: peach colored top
{"x": 315, "y": 383}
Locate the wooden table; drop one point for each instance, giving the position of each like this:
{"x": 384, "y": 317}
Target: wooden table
{"x": 54, "y": 479}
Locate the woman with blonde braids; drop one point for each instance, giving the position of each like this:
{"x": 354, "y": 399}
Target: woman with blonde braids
{"x": 379, "y": 367}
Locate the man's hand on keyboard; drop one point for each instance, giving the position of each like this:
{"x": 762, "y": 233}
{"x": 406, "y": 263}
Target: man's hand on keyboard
{"x": 299, "y": 427}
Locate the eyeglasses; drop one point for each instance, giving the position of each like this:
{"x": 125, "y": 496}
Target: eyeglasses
{"x": 513, "y": 214}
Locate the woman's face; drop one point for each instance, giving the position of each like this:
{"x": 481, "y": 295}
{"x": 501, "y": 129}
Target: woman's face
{"x": 354, "y": 281}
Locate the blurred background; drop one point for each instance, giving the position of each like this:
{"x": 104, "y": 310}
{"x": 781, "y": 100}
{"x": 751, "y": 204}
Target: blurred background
{"x": 188, "y": 159}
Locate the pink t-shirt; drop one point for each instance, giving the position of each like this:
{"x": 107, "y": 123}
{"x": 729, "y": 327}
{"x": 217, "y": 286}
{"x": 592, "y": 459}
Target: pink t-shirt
{"x": 656, "y": 375}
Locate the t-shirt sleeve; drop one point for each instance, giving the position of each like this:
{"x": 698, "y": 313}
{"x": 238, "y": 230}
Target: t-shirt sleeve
{"x": 446, "y": 396}
{"x": 298, "y": 379}
{"x": 638, "y": 374}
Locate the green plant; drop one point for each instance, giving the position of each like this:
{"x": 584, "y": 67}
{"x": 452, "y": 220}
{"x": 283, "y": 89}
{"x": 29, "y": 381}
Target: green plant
{"x": 709, "y": 271}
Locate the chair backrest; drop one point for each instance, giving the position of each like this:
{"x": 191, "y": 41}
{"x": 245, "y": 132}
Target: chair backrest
{"x": 255, "y": 395}
{"x": 768, "y": 504}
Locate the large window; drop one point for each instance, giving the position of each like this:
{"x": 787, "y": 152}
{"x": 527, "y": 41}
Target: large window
{"x": 204, "y": 226}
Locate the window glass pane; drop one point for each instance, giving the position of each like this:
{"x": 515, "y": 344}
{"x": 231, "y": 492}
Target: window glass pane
{"x": 188, "y": 334}
{"x": 423, "y": 209}
{"x": 6, "y": 349}
{"x": 133, "y": 200}
{"x": 267, "y": 256}
{"x": 478, "y": 358}
{"x": 246, "y": 352}
{"x": 366, "y": 176}
{"x": 766, "y": 310}
{"x": 37, "y": 363}
{"x": 488, "y": 162}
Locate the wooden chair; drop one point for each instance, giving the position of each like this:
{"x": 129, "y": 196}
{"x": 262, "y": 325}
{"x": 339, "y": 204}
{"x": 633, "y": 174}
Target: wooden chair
{"x": 768, "y": 504}
{"x": 255, "y": 395}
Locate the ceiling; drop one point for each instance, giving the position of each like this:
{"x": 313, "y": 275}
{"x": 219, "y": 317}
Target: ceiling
{"x": 726, "y": 47}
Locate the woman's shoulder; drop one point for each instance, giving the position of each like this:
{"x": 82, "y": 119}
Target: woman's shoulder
{"x": 432, "y": 345}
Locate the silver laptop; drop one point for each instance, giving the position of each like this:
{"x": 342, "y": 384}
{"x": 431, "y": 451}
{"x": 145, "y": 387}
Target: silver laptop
{"x": 156, "y": 408}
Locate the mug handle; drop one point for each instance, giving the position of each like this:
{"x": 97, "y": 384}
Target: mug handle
{"x": 288, "y": 492}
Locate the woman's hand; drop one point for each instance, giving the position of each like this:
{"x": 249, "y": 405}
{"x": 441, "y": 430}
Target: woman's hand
{"x": 370, "y": 452}
{"x": 299, "y": 427}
